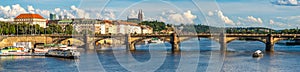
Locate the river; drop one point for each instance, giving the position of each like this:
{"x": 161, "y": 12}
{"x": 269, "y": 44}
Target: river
{"x": 195, "y": 56}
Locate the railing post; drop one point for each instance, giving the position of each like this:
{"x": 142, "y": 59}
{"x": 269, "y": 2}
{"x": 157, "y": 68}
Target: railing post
{"x": 270, "y": 43}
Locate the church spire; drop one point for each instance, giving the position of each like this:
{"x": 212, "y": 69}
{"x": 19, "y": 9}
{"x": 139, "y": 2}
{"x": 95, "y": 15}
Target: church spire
{"x": 140, "y": 15}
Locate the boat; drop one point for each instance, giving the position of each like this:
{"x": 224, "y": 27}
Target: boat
{"x": 70, "y": 53}
{"x": 156, "y": 40}
{"x": 46, "y": 48}
{"x": 257, "y": 53}
{"x": 12, "y": 50}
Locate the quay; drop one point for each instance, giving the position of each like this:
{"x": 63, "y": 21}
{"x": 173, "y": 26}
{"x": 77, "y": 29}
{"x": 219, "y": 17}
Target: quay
{"x": 24, "y": 54}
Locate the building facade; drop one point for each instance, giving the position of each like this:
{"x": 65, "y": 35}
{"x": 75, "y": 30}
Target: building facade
{"x": 105, "y": 26}
{"x": 86, "y": 24}
{"x": 31, "y": 19}
{"x": 52, "y": 16}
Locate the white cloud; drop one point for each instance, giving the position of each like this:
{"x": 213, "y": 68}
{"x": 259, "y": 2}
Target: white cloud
{"x": 210, "y": 13}
{"x": 5, "y": 11}
{"x": 13, "y": 11}
{"x": 57, "y": 10}
{"x": 133, "y": 14}
{"x": 251, "y": 19}
{"x": 189, "y": 16}
{"x": 177, "y": 18}
{"x": 80, "y": 13}
{"x": 44, "y": 13}
{"x": 224, "y": 18}
{"x": 30, "y": 9}
{"x": 279, "y": 25}
{"x": 17, "y": 9}
{"x": 287, "y": 2}
{"x": 108, "y": 14}
{"x": 271, "y": 21}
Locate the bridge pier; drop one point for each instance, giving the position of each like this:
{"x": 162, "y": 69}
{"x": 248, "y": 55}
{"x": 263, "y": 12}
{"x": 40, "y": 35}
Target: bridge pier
{"x": 129, "y": 45}
{"x": 175, "y": 42}
{"x": 85, "y": 40}
{"x": 270, "y": 43}
{"x": 223, "y": 42}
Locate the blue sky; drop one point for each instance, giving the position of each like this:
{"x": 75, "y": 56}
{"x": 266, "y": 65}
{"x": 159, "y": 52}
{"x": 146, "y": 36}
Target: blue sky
{"x": 277, "y": 14}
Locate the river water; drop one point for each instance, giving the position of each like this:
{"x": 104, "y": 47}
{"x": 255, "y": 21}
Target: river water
{"x": 195, "y": 56}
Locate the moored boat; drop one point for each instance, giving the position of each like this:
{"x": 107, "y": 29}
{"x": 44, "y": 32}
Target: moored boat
{"x": 156, "y": 40}
{"x": 12, "y": 50}
{"x": 70, "y": 53}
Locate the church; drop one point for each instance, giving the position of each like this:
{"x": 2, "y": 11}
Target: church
{"x": 136, "y": 20}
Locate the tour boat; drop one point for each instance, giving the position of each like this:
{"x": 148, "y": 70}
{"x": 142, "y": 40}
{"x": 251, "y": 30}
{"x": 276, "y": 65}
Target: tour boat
{"x": 257, "y": 53}
{"x": 70, "y": 53}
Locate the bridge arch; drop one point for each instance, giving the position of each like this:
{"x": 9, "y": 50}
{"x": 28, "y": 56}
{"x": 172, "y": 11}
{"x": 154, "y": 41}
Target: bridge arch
{"x": 77, "y": 41}
{"x": 144, "y": 38}
{"x": 252, "y": 39}
{"x": 96, "y": 43}
{"x": 280, "y": 39}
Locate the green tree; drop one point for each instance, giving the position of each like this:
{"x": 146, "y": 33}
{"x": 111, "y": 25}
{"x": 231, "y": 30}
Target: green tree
{"x": 55, "y": 28}
{"x": 12, "y": 29}
{"x": 157, "y": 26}
{"x": 69, "y": 29}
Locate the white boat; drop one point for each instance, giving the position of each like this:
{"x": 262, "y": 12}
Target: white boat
{"x": 257, "y": 53}
{"x": 156, "y": 40}
{"x": 46, "y": 49}
{"x": 73, "y": 54}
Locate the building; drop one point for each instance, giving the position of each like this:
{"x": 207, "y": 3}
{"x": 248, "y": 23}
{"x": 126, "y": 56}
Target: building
{"x": 60, "y": 17}
{"x": 64, "y": 23}
{"x": 86, "y": 24}
{"x": 52, "y": 16}
{"x": 66, "y": 17}
{"x": 31, "y": 19}
{"x": 127, "y": 27}
{"x": 123, "y": 27}
{"x": 136, "y": 20}
{"x": 106, "y": 27}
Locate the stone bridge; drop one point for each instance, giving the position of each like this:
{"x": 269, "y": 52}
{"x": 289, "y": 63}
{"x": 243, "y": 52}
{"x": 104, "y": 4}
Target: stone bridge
{"x": 131, "y": 39}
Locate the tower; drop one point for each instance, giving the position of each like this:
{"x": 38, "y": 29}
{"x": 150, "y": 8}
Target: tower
{"x": 140, "y": 15}
{"x": 52, "y": 16}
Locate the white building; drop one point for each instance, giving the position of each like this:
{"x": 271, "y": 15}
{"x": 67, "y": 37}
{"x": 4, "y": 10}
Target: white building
{"x": 128, "y": 27}
{"x": 31, "y": 19}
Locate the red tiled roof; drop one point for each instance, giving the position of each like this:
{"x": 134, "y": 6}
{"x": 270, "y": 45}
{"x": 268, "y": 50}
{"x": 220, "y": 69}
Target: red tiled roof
{"x": 22, "y": 16}
{"x": 107, "y": 21}
{"x": 128, "y": 23}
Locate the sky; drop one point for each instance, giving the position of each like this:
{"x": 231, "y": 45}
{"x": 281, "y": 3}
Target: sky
{"x": 276, "y": 14}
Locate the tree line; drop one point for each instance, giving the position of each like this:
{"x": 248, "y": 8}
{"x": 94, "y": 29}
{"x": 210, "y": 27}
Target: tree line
{"x": 7, "y": 28}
